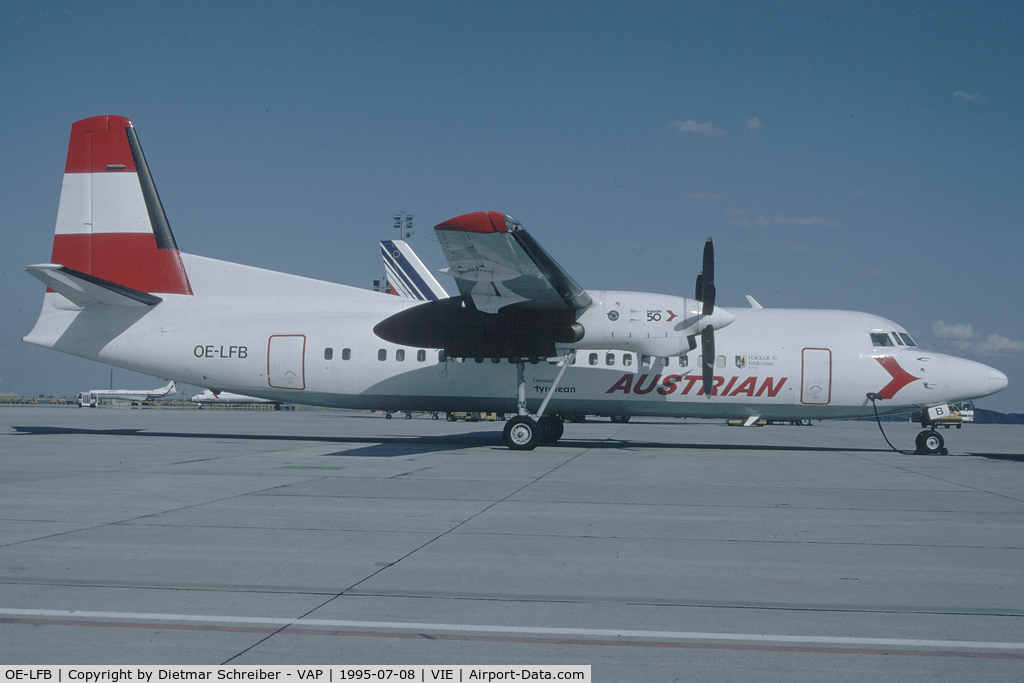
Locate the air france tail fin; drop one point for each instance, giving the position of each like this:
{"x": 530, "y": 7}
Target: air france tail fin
{"x": 407, "y": 276}
{"x": 110, "y": 222}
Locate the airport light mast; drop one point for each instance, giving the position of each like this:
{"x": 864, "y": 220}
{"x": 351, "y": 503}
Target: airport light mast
{"x": 403, "y": 224}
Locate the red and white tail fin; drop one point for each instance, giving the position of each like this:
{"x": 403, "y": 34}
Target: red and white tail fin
{"x": 110, "y": 223}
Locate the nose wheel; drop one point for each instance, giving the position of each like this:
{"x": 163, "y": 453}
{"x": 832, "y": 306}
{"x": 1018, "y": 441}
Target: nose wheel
{"x": 930, "y": 442}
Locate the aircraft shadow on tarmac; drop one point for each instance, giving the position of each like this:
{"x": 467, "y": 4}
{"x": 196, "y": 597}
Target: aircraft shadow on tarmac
{"x": 393, "y": 446}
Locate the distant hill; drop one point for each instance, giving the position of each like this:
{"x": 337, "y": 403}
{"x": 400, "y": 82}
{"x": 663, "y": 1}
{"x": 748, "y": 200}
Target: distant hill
{"x": 981, "y": 416}
{"x": 991, "y": 417}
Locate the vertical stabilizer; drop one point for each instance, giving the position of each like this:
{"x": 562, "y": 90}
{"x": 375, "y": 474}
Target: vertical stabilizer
{"x": 110, "y": 223}
{"x": 407, "y": 276}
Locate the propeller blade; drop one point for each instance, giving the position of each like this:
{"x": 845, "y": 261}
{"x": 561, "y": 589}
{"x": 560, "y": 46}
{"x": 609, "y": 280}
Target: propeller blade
{"x": 707, "y": 277}
{"x": 699, "y": 296}
{"x": 707, "y": 347}
{"x": 709, "y": 261}
{"x": 709, "y": 298}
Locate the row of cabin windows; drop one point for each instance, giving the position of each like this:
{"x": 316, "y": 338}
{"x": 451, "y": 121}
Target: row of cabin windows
{"x": 382, "y": 354}
{"x": 610, "y": 359}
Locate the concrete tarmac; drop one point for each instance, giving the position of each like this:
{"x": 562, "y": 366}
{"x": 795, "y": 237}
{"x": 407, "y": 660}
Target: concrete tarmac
{"x": 657, "y": 550}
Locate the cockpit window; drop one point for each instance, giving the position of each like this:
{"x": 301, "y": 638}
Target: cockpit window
{"x": 881, "y": 339}
{"x": 907, "y": 339}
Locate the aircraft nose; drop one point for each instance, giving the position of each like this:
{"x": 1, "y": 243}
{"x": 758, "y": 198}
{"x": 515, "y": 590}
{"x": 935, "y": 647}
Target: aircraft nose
{"x": 997, "y": 381}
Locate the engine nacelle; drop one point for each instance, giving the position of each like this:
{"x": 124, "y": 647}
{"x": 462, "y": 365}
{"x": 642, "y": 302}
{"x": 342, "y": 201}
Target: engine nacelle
{"x": 650, "y": 324}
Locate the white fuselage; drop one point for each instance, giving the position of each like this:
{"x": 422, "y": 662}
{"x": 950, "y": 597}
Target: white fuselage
{"x": 292, "y": 339}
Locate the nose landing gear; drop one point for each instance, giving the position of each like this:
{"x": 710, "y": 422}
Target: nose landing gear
{"x": 930, "y": 442}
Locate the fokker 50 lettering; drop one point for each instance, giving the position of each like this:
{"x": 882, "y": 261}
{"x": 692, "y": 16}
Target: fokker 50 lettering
{"x": 121, "y": 292}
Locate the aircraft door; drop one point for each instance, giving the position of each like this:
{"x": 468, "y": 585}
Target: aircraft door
{"x": 286, "y": 367}
{"x": 816, "y": 383}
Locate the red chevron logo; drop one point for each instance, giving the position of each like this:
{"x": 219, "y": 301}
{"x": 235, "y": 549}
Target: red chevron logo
{"x": 900, "y": 377}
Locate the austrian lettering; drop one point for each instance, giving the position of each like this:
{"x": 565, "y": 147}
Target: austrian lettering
{"x": 684, "y": 384}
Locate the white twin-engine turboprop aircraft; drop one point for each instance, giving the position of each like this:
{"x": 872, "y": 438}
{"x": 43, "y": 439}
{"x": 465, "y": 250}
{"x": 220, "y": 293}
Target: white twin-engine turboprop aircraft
{"x": 522, "y": 337}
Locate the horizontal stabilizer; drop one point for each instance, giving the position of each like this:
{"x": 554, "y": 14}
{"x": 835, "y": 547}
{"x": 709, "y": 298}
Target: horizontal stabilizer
{"x": 83, "y": 289}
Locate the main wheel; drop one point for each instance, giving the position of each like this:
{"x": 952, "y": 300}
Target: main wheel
{"x": 620, "y": 419}
{"x": 522, "y": 433}
{"x": 552, "y": 428}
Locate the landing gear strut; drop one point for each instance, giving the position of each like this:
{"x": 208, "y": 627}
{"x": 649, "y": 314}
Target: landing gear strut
{"x": 524, "y": 432}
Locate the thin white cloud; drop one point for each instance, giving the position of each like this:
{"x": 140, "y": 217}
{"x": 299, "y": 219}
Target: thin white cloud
{"x": 809, "y": 221}
{"x": 997, "y": 345}
{"x": 956, "y": 332}
{"x": 970, "y": 97}
{"x": 691, "y": 126}
{"x": 741, "y": 219}
{"x": 963, "y": 339}
{"x": 753, "y": 124}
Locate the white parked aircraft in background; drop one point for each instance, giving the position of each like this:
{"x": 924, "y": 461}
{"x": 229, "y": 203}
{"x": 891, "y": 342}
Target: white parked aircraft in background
{"x": 210, "y": 396}
{"x": 139, "y": 395}
{"x": 522, "y": 337}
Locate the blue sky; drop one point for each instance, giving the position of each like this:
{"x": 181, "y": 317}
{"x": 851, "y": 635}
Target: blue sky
{"x": 865, "y": 156}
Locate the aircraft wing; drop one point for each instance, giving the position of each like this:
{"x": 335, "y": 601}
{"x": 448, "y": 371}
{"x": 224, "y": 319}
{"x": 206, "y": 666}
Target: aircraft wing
{"x": 496, "y": 263}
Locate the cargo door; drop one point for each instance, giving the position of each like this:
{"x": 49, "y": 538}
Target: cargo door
{"x": 286, "y": 367}
{"x": 816, "y": 384}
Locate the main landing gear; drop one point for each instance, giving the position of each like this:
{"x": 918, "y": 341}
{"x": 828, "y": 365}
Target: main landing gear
{"x": 524, "y": 432}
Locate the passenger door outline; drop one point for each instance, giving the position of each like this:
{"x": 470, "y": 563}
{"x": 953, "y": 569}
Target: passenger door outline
{"x": 286, "y": 361}
{"x": 816, "y": 377}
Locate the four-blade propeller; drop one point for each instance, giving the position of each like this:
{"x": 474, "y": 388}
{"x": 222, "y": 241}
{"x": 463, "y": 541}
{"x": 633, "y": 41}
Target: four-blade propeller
{"x": 706, "y": 295}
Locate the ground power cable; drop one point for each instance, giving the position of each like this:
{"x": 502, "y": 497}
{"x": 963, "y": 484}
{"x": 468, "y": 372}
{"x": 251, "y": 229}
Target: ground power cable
{"x": 874, "y": 397}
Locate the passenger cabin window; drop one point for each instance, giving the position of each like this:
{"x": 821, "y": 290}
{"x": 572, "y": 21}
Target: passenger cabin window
{"x": 880, "y": 339}
{"x": 441, "y": 358}
{"x": 400, "y": 354}
{"x": 684, "y": 361}
{"x": 346, "y": 354}
{"x": 382, "y": 354}
{"x": 609, "y": 359}
{"x": 328, "y": 353}
{"x": 593, "y": 359}
{"x": 627, "y": 359}
{"x": 421, "y": 355}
